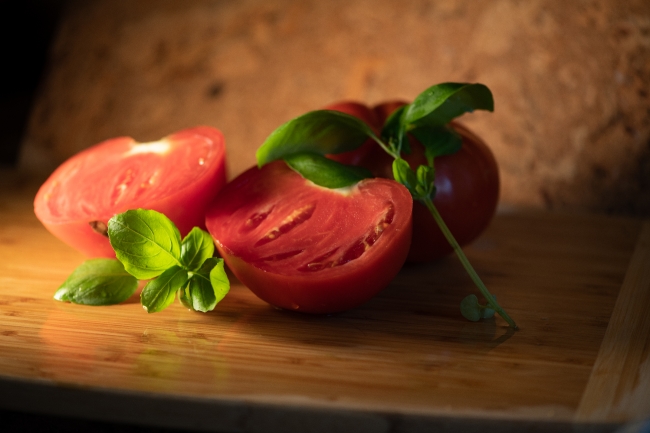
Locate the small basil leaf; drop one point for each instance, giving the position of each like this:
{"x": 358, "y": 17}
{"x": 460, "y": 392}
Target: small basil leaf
{"x": 438, "y": 140}
{"x": 196, "y": 248}
{"x": 403, "y": 174}
{"x": 324, "y": 171}
{"x": 218, "y": 278}
{"x": 98, "y": 282}
{"x": 426, "y": 181}
{"x": 470, "y": 309}
{"x": 394, "y": 132}
{"x": 198, "y": 294}
{"x": 145, "y": 241}
{"x": 441, "y": 103}
{"x": 184, "y": 296}
{"x": 207, "y": 287}
{"x": 322, "y": 132}
{"x": 159, "y": 293}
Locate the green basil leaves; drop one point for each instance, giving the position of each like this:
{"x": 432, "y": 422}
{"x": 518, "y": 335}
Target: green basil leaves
{"x": 148, "y": 246}
{"x": 302, "y": 140}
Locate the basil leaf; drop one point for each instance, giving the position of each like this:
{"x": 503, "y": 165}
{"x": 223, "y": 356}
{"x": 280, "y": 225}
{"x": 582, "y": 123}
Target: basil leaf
{"x": 97, "y": 282}
{"x": 394, "y": 132}
{"x": 324, "y": 171}
{"x": 438, "y": 140}
{"x": 426, "y": 187}
{"x": 196, "y": 248}
{"x": 145, "y": 241}
{"x": 184, "y": 296}
{"x": 207, "y": 287}
{"x": 159, "y": 293}
{"x": 441, "y": 103}
{"x": 470, "y": 309}
{"x": 218, "y": 278}
{"x": 403, "y": 174}
{"x": 322, "y": 132}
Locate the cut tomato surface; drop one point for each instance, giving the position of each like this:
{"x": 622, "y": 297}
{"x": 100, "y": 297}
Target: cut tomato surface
{"x": 178, "y": 175}
{"x": 302, "y": 247}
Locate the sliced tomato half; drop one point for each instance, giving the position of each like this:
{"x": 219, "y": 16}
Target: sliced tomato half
{"x": 302, "y": 247}
{"x": 178, "y": 175}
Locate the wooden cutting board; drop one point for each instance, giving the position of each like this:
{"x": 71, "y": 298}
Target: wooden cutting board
{"x": 578, "y": 285}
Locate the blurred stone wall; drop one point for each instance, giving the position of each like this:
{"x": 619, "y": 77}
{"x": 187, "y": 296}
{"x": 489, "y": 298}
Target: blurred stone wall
{"x": 571, "y": 128}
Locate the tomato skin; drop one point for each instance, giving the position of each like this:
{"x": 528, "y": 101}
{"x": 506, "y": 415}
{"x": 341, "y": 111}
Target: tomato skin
{"x": 111, "y": 177}
{"x": 363, "y": 112}
{"x": 335, "y": 224}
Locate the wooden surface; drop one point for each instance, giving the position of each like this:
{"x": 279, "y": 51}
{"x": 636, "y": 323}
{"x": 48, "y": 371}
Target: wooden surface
{"x": 577, "y": 285}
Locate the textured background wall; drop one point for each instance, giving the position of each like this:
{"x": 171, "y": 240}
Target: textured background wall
{"x": 570, "y": 80}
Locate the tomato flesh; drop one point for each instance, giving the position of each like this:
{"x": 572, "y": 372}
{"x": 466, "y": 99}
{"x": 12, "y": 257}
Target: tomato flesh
{"x": 302, "y": 247}
{"x": 178, "y": 175}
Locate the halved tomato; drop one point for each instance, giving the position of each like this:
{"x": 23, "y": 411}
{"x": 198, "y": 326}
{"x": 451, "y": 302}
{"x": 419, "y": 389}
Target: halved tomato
{"x": 303, "y": 247}
{"x": 178, "y": 175}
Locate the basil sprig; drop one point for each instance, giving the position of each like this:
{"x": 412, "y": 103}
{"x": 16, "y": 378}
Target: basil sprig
{"x": 148, "y": 246}
{"x": 325, "y": 132}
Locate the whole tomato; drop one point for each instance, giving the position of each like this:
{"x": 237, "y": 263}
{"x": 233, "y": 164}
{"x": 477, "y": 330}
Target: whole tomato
{"x": 467, "y": 189}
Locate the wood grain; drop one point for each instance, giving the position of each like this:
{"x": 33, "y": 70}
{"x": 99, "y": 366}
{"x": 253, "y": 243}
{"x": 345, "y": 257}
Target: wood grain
{"x": 405, "y": 361}
{"x": 619, "y": 385}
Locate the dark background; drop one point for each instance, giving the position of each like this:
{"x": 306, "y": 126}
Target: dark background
{"x": 26, "y": 30}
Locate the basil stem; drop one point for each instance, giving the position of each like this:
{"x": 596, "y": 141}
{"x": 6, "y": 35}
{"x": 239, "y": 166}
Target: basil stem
{"x": 466, "y": 264}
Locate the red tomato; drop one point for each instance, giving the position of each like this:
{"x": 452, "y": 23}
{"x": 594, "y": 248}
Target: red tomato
{"x": 467, "y": 190}
{"x": 302, "y": 247}
{"x": 467, "y": 184}
{"x": 178, "y": 176}
{"x": 364, "y": 113}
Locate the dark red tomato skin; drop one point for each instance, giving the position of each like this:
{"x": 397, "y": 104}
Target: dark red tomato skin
{"x": 184, "y": 202}
{"x": 467, "y": 184}
{"x": 363, "y": 112}
{"x": 331, "y": 289}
